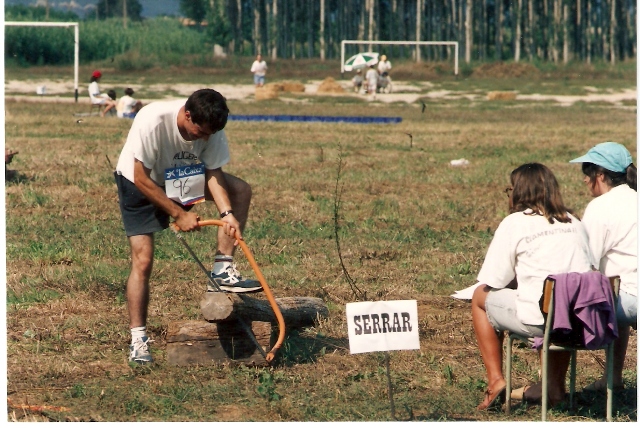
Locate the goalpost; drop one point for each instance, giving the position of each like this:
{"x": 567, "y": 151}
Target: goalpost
{"x": 76, "y": 49}
{"x": 378, "y": 42}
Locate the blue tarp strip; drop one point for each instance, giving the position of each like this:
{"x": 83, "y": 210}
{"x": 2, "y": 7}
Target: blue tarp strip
{"x": 293, "y": 118}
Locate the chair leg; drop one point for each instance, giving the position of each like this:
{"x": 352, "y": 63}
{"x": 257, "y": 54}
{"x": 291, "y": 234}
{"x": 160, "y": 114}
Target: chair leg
{"x": 609, "y": 357}
{"x": 508, "y": 377}
{"x": 545, "y": 386}
{"x": 572, "y": 377}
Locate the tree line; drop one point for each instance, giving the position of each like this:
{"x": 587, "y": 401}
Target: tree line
{"x": 548, "y": 30}
{"x": 487, "y": 30}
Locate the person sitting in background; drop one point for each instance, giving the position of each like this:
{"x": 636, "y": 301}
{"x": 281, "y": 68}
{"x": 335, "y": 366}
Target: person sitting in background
{"x": 539, "y": 237}
{"x": 97, "y": 97}
{"x": 128, "y": 106}
{"x": 357, "y": 81}
{"x": 611, "y": 222}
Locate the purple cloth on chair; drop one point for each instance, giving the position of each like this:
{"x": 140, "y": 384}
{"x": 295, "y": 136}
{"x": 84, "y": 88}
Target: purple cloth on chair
{"x": 588, "y": 296}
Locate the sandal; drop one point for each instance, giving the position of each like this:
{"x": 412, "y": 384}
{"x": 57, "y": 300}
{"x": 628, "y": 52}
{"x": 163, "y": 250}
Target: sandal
{"x": 489, "y": 394}
{"x": 601, "y": 386}
{"x": 532, "y": 394}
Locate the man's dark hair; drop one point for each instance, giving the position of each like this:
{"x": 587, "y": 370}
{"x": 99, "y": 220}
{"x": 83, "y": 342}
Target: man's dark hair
{"x": 128, "y": 91}
{"x": 208, "y": 107}
{"x": 112, "y": 94}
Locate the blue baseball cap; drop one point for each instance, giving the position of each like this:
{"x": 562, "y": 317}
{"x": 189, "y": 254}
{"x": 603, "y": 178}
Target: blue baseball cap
{"x": 612, "y": 156}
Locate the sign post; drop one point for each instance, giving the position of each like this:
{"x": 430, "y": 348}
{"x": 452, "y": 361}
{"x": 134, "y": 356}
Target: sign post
{"x": 383, "y": 326}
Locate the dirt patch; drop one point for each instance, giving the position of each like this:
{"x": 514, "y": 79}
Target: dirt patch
{"x": 330, "y": 86}
{"x": 500, "y": 95}
{"x": 287, "y": 86}
{"x": 502, "y": 70}
{"x": 266, "y": 93}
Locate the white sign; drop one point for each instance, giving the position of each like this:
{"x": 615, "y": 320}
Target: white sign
{"x": 383, "y": 326}
{"x": 185, "y": 184}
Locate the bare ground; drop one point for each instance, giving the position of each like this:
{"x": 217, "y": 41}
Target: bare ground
{"x": 403, "y": 91}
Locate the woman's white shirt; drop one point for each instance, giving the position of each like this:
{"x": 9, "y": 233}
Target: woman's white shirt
{"x": 611, "y": 222}
{"x": 529, "y": 248}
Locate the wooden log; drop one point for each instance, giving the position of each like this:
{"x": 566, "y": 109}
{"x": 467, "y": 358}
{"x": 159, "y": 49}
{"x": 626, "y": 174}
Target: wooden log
{"x": 296, "y": 311}
{"x": 201, "y": 342}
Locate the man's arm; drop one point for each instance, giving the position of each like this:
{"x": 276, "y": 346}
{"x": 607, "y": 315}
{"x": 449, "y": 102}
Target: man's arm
{"x": 186, "y": 221}
{"x": 218, "y": 189}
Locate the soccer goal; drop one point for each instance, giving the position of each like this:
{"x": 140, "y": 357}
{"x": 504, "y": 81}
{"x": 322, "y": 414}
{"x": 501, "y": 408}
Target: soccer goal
{"x": 76, "y": 49}
{"x": 378, "y": 42}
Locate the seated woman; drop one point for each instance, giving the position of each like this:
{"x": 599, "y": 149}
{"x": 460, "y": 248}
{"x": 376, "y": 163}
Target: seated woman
{"x": 611, "y": 222}
{"x": 539, "y": 237}
{"x": 97, "y": 97}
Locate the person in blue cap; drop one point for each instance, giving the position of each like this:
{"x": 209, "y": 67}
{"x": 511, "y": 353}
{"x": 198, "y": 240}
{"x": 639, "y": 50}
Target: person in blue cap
{"x": 611, "y": 220}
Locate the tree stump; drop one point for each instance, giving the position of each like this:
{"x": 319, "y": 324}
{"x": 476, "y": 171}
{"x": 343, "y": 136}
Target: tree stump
{"x": 203, "y": 342}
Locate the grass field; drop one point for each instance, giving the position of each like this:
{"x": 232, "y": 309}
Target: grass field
{"x": 411, "y": 226}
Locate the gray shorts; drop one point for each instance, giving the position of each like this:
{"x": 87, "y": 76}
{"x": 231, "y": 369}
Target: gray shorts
{"x": 627, "y": 310}
{"x": 501, "y": 310}
{"x": 139, "y": 215}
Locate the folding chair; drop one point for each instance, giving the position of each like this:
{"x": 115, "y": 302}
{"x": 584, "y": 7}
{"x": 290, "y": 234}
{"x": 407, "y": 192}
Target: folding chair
{"x": 97, "y": 107}
{"x": 548, "y": 309}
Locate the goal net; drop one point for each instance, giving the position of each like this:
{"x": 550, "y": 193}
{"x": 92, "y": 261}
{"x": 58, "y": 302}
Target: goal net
{"x": 76, "y": 34}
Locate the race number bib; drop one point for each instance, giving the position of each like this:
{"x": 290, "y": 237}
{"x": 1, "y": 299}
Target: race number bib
{"x": 185, "y": 184}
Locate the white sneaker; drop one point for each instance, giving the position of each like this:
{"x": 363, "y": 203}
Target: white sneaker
{"x": 139, "y": 351}
{"x": 231, "y": 280}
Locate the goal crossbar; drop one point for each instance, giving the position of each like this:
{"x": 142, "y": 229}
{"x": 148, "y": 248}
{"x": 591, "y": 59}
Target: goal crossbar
{"x": 378, "y": 42}
{"x": 76, "y": 49}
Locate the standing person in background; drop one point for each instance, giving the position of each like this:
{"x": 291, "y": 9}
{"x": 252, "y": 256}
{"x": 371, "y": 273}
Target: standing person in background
{"x": 372, "y": 80}
{"x": 128, "y": 106}
{"x": 611, "y": 221}
{"x": 97, "y": 97}
{"x": 384, "y": 66}
{"x": 259, "y": 70}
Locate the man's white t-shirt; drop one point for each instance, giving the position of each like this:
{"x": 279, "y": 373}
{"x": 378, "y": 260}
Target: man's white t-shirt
{"x": 384, "y": 66}
{"x": 259, "y": 68}
{"x": 611, "y": 222}
{"x": 529, "y": 248}
{"x": 154, "y": 140}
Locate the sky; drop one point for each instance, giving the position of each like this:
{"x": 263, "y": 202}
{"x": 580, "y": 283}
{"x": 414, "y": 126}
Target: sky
{"x": 150, "y": 8}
